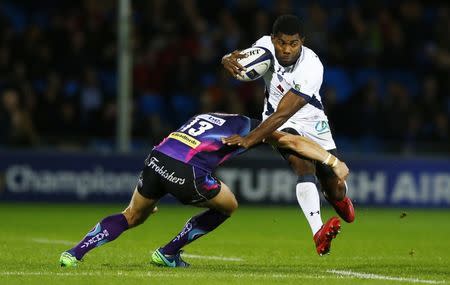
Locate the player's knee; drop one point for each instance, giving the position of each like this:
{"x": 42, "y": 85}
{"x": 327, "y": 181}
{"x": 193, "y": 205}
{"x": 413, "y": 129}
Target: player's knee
{"x": 336, "y": 195}
{"x": 230, "y": 206}
{"x": 226, "y": 201}
{"x": 135, "y": 218}
{"x": 233, "y": 205}
{"x": 304, "y": 178}
{"x": 334, "y": 190}
{"x": 341, "y": 191}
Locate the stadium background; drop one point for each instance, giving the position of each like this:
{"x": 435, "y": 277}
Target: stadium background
{"x": 385, "y": 90}
{"x": 386, "y": 86}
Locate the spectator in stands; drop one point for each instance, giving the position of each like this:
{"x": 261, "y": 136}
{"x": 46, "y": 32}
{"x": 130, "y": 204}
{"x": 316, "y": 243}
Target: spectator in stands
{"x": 44, "y": 56}
{"x": 17, "y": 127}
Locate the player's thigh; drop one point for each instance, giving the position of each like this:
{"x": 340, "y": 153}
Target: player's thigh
{"x": 329, "y": 181}
{"x": 139, "y": 209}
{"x": 150, "y": 183}
{"x": 224, "y": 202}
{"x": 148, "y": 191}
{"x": 194, "y": 185}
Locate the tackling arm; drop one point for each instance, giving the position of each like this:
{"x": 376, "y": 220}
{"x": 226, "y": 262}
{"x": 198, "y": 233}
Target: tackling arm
{"x": 288, "y": 106}
{"x": 309, "y": 149}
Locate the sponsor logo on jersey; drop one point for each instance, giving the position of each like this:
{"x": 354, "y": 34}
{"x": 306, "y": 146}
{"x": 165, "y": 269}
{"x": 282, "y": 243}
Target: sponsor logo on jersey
{"x": 184, "y": 138}
{"x": 153, "y": 164}
{"x": 212, "y": 119}
{"x": 281, "y": 71}
{"x": 280, "y": 88}
{"x": 297, "y": 86}
{"x": 322, "y": 127}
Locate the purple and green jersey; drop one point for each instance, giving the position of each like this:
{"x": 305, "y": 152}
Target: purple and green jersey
{"x": 198, "y": 141}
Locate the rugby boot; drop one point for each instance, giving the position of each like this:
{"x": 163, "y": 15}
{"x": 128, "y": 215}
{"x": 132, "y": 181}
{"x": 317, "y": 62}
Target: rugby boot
{"x": 68, "y": 260}
{"x": 160, "y": 259}
{"x": 344, "y": 209}
{"x": 326, "y": 234}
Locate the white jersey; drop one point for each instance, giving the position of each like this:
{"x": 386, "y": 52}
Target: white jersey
{"x": 303, "y": 78}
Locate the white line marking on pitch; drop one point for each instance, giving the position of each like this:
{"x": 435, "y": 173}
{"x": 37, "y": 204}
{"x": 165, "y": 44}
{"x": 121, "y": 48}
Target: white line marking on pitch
{"x": 42, "y": 273}
{"x": 52, "y": 241}
{"x": 363, "y": 275}
{"x": 212, "y": 257}
{"x": 172, "y": 274}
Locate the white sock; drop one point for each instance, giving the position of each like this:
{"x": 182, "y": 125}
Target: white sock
{"x": 308, "y": 198}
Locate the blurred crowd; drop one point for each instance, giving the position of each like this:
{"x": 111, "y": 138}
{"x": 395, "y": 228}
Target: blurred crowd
{"x": 386, "y": 82}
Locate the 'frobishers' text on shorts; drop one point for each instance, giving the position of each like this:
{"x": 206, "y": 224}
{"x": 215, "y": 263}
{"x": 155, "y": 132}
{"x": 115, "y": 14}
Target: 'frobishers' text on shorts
{"x": 189, "y": 184}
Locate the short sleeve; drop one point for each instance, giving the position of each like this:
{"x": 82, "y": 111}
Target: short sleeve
{"x": 264, "y": 42}
{"x": 309, "y": 82}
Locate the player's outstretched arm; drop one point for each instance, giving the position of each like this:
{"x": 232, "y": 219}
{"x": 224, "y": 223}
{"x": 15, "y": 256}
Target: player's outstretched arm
{"x": 288, "y": 106}
{"x": 309, "y": 149}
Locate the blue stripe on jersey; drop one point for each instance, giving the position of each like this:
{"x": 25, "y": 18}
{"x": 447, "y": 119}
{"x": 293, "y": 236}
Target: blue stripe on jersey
{"x": 270, "y": 109}
{"x": 310, "y": 100}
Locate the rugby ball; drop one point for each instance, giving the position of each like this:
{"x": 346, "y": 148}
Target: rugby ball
{"x": 257, "y": 61}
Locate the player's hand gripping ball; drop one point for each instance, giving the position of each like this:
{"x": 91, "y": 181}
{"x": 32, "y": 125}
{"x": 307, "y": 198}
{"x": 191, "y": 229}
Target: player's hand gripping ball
{"x": 257, "y": 61}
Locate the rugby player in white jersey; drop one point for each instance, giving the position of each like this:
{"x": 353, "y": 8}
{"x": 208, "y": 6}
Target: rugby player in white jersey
{"x": 293, "y": 104}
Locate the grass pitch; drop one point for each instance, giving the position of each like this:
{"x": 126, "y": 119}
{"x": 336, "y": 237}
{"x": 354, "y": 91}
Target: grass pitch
{"x": 258, "y": 245}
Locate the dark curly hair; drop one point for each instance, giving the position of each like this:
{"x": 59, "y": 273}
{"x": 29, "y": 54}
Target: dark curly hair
{"x": 287, "y": 24}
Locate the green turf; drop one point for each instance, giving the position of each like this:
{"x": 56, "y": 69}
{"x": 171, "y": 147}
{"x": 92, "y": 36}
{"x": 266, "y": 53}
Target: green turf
{"x": 274, "y": 243}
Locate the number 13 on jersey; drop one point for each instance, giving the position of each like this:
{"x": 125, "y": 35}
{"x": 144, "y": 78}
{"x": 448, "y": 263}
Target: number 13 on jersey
{"x": 197, "y": 130}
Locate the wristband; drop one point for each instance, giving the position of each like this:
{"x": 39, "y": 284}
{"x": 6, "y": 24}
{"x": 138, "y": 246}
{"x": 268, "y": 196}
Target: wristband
{"x": 327, "y": 160}
{"x": 335, "y": 162}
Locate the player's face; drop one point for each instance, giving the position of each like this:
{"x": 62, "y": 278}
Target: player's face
{"x": 287, "y": 48}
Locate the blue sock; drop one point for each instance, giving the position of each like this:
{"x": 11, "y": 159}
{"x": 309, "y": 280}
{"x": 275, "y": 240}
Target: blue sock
{"x": 196, "y": 227}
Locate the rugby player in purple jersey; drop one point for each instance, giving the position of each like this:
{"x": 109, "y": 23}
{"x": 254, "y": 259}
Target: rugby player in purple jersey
{"x": 182, "y": 165}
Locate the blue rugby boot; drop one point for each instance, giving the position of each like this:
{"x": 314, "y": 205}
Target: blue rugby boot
{"x": 160, "y": 259}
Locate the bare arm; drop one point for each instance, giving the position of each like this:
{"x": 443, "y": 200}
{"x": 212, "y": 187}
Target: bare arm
{"x": 288, "y": 106}
{"x": 310, "y": 149}
{"x": 302, "y": 146}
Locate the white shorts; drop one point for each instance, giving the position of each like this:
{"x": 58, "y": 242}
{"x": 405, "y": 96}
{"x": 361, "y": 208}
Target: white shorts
{"x": 318, "y": 131}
